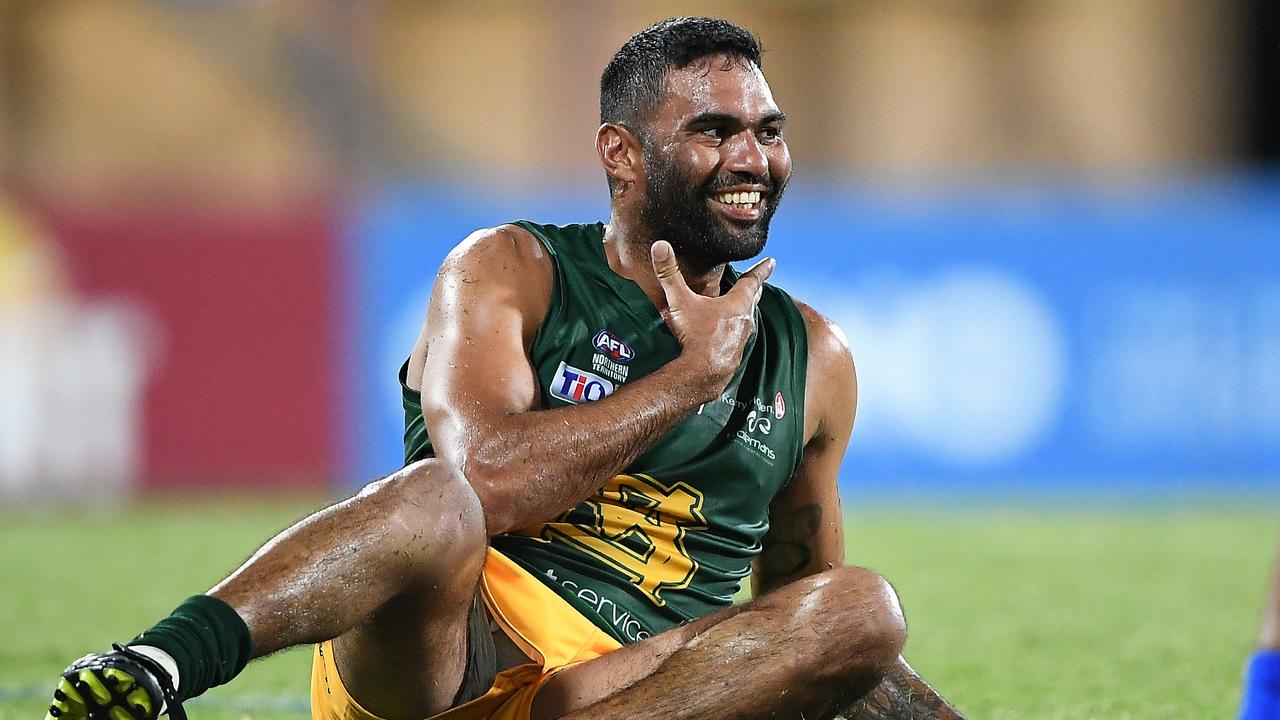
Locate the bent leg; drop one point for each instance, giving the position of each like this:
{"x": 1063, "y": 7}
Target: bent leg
{"x": 389, "y": 573}
{"x": 810, "y": 647}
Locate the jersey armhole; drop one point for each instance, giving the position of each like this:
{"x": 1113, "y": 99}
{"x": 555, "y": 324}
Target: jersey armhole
{"x": 798, "y": 335}
{"x": 555, "y": 308}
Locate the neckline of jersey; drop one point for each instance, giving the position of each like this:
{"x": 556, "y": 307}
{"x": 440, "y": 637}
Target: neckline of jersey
{"x": 627, "y": 285}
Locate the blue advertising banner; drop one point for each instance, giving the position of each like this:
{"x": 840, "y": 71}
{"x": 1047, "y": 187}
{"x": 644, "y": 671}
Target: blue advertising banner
{"x": 1006, "y": 339}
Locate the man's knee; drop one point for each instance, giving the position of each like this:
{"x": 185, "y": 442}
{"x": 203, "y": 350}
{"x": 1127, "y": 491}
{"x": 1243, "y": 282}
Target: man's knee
{"x": 437, "y": 510}
{"x": 856, "y": 614}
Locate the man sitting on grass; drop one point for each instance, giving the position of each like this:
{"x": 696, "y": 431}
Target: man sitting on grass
{"x": 607, "y": 428}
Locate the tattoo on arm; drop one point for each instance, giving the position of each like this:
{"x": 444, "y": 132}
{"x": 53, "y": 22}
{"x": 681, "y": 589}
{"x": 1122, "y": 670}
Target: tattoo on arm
{"x": 787, "y": 548}
{"x": 902, "y": 695}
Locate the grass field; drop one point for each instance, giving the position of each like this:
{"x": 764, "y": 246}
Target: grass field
{"x": 1015, "y": 613}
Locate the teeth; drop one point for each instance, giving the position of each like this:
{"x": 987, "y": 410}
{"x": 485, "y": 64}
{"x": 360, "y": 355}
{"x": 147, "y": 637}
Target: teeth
{"x": 740, "y": 198}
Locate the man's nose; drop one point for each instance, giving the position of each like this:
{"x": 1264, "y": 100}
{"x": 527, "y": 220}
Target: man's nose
{"x": 746, "y": 155}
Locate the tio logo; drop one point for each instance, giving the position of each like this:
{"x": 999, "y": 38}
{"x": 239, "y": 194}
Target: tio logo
{"x": 577, "y": 386}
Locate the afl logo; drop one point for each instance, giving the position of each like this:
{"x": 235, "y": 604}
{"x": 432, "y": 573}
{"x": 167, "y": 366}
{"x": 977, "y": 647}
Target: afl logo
{"x": 610, "y": 344}
{"x": 779, "y": 406}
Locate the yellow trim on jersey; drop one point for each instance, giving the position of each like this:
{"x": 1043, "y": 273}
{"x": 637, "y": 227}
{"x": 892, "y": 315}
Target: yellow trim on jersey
{"x": 537, "y": 620}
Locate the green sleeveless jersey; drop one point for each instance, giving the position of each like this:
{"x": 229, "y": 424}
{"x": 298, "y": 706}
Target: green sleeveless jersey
{"x": 672, "y": 537}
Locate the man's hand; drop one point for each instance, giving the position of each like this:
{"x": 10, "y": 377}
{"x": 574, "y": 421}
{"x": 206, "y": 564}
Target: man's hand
{"x": 712, "y": 330}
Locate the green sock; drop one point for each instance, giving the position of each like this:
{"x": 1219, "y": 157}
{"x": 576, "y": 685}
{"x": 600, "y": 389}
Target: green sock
{"x": 209, "y": 642}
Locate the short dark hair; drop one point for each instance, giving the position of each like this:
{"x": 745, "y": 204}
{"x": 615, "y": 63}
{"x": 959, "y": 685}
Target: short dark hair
{"x": 631, "y": 84}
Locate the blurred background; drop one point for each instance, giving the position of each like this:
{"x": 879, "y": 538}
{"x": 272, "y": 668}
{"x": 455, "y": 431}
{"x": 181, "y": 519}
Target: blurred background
{"x": 1051, "y": 230}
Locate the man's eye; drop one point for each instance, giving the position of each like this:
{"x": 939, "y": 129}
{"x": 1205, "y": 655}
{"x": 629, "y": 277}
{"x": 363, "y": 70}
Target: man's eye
{"x": 770, "y": 134}
{"x": 714, "y": 132}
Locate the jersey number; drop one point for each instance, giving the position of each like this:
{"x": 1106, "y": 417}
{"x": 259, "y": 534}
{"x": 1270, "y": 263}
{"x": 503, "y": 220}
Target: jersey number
{"x": 638, "y": 527}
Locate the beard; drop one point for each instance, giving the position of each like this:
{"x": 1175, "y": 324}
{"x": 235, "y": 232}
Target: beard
{"x": 677, "y": 208}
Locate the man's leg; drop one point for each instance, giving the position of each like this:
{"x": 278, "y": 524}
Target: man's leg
{"x": 1262, "y": 682}
{"x": 807, "y": 649}
{"x": 389, "y": 573}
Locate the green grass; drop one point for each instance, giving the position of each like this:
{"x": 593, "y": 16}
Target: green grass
{"x": 1031, "y": 614}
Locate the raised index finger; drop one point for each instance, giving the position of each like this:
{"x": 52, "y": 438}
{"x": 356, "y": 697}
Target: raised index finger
{"x": 752, "y": 280}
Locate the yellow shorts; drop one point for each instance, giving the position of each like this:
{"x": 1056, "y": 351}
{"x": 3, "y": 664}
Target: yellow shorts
{"x": 541, "y": 623}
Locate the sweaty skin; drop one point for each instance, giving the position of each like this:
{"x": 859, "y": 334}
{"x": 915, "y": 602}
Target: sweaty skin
{"x": 391, "y": 573}
{"x": 481, "y": 401}
{"x": 494, "y": 290}
{"x": 386, "y": 580}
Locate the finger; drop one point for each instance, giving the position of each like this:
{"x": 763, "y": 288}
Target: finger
{"x": 667, "y": 269}
{"x": 752, "y": 280}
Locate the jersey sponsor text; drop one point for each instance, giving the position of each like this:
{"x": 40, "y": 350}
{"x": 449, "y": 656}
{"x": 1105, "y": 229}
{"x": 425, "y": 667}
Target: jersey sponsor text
{"x": 601, "y": 363}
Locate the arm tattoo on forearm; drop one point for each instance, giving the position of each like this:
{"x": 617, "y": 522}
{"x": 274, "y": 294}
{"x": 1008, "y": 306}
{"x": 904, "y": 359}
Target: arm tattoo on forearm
{"x": 786, "y": 545}
{"x": 902, "y": 695}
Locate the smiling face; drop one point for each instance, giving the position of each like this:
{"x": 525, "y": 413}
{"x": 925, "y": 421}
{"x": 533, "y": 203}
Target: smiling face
{"x": 715, "y": 162}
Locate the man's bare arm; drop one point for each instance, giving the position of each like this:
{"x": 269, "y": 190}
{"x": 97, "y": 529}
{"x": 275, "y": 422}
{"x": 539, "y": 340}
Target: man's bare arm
{"x": 806, "y": 527}
{"x": 480, "y": 392}
{"x": 806, "y": 530}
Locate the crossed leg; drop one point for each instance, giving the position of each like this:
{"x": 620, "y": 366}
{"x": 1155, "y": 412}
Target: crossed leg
{"x": 804, "y": 650}
{"x": 390, "y": 574}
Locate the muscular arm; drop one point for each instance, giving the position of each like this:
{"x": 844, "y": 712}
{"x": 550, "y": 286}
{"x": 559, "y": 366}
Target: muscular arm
{"x": 806, "y": 528}
{"x": 480, "y": 392}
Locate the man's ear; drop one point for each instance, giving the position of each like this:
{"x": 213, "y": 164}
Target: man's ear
{"x": 620, "y": 153}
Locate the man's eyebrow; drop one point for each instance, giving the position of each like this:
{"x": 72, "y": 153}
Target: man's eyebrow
{"x": 774, "y": 118}
{"x": 714, "y": 118}
{"x": 719, "y": 118}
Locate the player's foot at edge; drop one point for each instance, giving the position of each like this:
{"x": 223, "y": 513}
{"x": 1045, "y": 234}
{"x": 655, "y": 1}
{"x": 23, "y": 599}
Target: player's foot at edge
{"x": 119, "y": 685}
